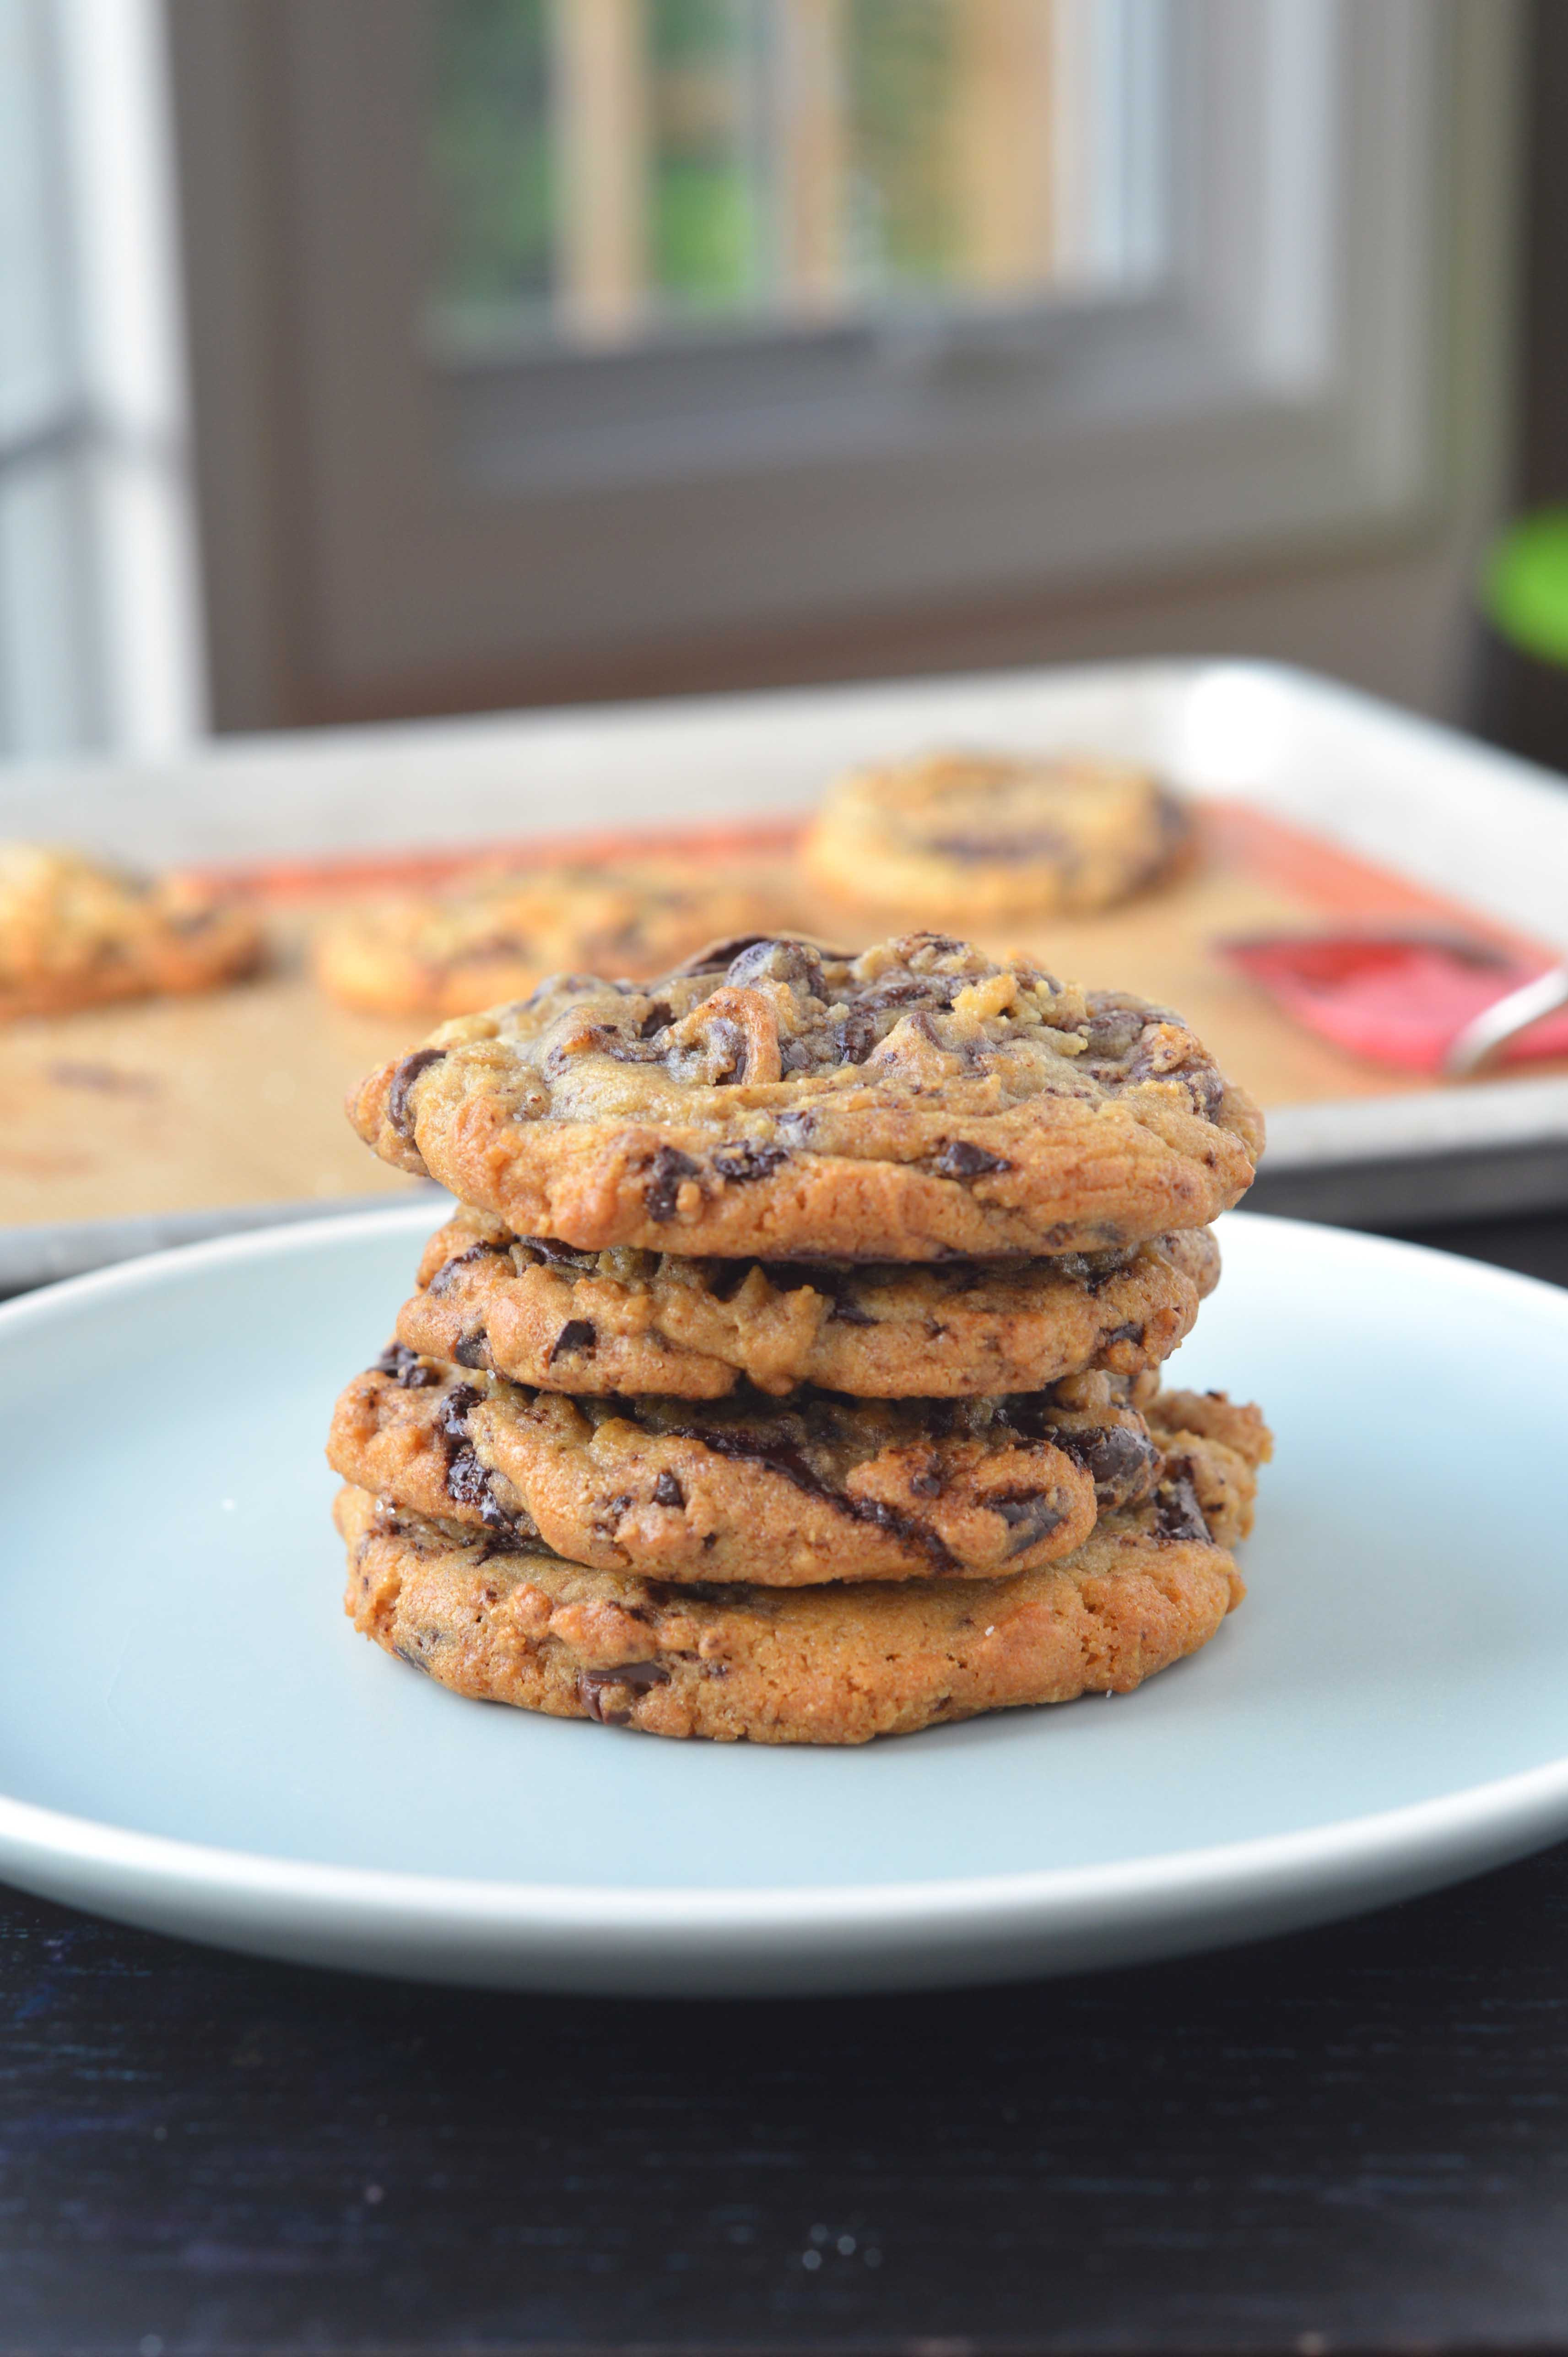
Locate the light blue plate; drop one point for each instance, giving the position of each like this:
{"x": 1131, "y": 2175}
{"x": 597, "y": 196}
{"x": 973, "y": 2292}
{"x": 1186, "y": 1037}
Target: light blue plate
{"x": 192, "y": 1737}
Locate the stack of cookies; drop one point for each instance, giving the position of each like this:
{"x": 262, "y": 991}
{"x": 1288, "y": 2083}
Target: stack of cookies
{"x": 791, "y": 1369}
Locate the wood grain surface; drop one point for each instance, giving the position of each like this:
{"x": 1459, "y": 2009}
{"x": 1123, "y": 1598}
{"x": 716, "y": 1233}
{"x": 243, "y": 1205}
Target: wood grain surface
{"x": 237, "y": 1097}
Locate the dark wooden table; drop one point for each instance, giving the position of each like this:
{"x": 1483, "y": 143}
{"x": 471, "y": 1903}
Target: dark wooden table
{"x": 1356, "y": 2139}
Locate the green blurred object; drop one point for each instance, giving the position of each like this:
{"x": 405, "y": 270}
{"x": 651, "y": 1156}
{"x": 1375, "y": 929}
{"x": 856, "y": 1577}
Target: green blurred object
{"x": 1525, "y": 586}
{"x": 1520, "y": 680}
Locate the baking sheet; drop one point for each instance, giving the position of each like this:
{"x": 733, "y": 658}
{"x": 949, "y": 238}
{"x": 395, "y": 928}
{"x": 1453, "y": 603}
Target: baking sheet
{"x": 1318, "y": 805}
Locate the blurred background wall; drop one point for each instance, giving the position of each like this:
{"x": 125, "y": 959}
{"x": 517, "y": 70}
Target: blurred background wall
{"x": 410, "y": 356}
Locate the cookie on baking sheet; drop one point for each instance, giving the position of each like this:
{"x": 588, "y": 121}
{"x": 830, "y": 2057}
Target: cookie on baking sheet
{"x": 785, "y": 1492}
{"x": 975, "y": 839}
{"x": 625, "y": 1320}
{"x": 492, "y": 936}
{"x": 74, "y": 933}
{"x": 834, "y": 1664}
{"x": 776, "y": 1099}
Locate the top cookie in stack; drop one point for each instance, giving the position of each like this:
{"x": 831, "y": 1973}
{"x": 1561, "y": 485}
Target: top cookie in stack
{"x": 839, "y": 1280}
{"x": 770, "y": 1097}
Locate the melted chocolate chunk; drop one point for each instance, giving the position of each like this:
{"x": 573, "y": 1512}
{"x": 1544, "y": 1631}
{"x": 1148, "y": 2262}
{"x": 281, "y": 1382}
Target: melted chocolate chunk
{"x": 1117, "y": 1459}
{"x": 622, "y": 1047}
{"x": 578, "y": 1334}
{"x": 959, "y": 1160}
{"x": 467, "y": 1479}
{"x": 781, "y": 1455}
{"x": 854, "y": 1034}
{"x": 667, "y": 1491}
{"x": 446, "y": 1274}
{"x": 1114, "y": 1031}
{"x": 455, "y": 1411}
{"x": 505, "y": 1538}
{"x": 472, "y": 1350}
{"x": 407, "y": 1368}
{"x": 929, "y": 1484}
{"x": 399, "y": 1111}
{"x": 663, "y": 1186}
{"x": 657, "y": 1019}
{"x": 1178, "y": 1514}
{"x": 743, "y": 1162}
{"x": 1030, "y": 1514}
{"x": 641, "y": 1677}
{"x": 792, "y": 962}
{"x": 546, "y": 1250}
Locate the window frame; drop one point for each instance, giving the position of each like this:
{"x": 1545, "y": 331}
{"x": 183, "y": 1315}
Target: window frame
{"x": 1287, "y": 390}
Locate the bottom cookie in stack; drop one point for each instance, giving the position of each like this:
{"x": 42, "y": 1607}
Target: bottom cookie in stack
{"x": 502, "y": 1618}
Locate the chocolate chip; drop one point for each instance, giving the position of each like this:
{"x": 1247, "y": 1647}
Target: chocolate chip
{"x": 667, "y": 1491}
{"x": 929, "y": 1484}
{"x": 657, "y": 1019}
{"x": 663, "y": 1186}
{"x": 744, "y": 1162}
{"x": 795, "y": 963}
{"x": 472, "y": 1350}
{"x": 467, "y": 1479}
{"x": 455, "y": 1411}
{"x": 578, "y": 1334}
{"x": 727, "y": 1039}
{"x": 1207, "y": 1089}
{"x": 1032, "y": 1514}
{"x": 503, "y": 1537}
{"x": 611, "y": 1513}
{"x": 557, "y": 1255}
{"x": 445, "y": 1276}
{"x": 399, "y": 1111}
{"x": 782, "y": 1456}
{"x": 854, "y": 1035}
{"x": 1133, "y": 1332}
{"x": 640, "y": 1676}
{"x": 1116, "y": 1457}
{"x": 1177, "y": 1513}
{"x": 407, "y": 1368}
{"x": 1112, "y": 1032}
{"x": 959, "y": 1160}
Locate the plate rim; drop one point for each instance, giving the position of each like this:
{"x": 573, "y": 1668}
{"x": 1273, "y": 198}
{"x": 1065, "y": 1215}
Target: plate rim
{"x": 1417, "y": 1840}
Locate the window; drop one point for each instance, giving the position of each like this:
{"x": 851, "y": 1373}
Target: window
{"x": 595, "y": 325}
{"x": 617, "y": 172}
{"x": 99, "y": 637}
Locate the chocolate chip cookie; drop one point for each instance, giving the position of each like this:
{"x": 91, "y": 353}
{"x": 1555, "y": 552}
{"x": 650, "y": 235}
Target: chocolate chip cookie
{"x": 775, "y": 1099}
{"x": 624, "y": 1320}
{"x": 76, "y": 934}
{"x": 503, "y": 1620}
{"x": 492, "y": 937}
{"x": 783, "y": 1492}
{"x": 979, "y": 839}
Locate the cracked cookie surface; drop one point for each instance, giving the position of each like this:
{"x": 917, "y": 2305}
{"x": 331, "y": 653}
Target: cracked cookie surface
{"x": 783, "y": 1100}
{"x": 782, "y": 1494}
{"x": 492, "y": 936}
{"x": 827, "y": 1665}
{"x": 540, "y": 1312}
{"x": 75, "y": 934}
{"x": 977, "y": 839}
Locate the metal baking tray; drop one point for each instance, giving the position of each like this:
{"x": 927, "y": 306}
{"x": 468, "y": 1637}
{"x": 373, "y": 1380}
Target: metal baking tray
{"x": 1454, "y": 816}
